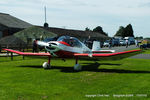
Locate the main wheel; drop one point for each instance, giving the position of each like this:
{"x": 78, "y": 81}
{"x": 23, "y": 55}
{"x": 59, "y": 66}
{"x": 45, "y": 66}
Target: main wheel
{"x": 46, "y": 65}
{"x": 77, "y": 67}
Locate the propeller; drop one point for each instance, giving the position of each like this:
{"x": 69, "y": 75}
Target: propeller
{"x": 41, "y": 43}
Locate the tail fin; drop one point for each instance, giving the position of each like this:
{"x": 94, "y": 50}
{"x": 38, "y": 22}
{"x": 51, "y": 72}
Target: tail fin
{"x": 96, "y": 46}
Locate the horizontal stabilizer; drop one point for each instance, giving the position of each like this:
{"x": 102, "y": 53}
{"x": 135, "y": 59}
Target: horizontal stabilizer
{"x": 104, "y": 51}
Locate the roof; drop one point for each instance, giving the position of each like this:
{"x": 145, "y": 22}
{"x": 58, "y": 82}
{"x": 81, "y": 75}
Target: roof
{"x": 75, "y": 33}
{"x": 13, "y": 22}
{"x": 21, "y": 38}
{"x": 12, "y": 41}
{"x": 34, "y": 33}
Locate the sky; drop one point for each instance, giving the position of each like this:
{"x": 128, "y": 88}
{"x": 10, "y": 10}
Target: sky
{"x": 79, "y": 14}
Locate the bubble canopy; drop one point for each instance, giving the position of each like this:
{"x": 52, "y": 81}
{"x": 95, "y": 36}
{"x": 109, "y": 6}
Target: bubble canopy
{"x": 72, "y": 41}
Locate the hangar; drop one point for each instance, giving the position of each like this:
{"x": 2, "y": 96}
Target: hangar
{"x": 10, "y": 25}
{"x": 82, "y": 35}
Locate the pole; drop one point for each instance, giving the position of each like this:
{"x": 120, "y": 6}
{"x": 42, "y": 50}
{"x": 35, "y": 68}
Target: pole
{"x": 11, "y": 56}
{"x": 45, "y": 14}
{"x": 23, "y": 55}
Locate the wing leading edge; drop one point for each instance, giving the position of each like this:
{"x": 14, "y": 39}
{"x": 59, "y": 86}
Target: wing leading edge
{"x": 28, "y": 54}
{"x": 76, "y": 54}
{"x": 104, "y": 55}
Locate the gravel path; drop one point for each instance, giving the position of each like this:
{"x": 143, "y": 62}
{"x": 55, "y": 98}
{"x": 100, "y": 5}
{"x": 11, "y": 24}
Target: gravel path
{"x": 141, "y": 56}
{"x": 120, "y": 48}
{"x": 123, "y": 48}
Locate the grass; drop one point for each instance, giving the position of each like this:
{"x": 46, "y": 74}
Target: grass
{"x": 26, "y": 80}
{"x": 146, "y": 51}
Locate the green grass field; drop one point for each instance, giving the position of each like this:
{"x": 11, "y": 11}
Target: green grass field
{"x": 27, "y": 80}
{"x": 146, "y": 51}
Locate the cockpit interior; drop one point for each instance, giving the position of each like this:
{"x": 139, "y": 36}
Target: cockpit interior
{"x": 71, "y": 41}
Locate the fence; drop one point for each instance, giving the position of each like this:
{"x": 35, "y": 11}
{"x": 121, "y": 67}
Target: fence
{"x": 23, "y": 48}
{"x": 16, "y": 47}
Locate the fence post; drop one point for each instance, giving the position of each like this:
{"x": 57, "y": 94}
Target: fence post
{"x": 23, "y": 55}
{"x": 7, "y": 54}
{"x": 11, "y": 56}
{"x": 0, "y": 48}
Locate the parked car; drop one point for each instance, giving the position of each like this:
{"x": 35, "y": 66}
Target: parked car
{"x": 122, "y": 42}
{"x": 106, "y": 43}
{"x": 115, "y": 42}
{"x": 131, "y": 40}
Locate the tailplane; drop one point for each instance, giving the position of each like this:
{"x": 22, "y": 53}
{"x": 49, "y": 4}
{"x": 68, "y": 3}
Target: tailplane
{"x": 96, "y": 46}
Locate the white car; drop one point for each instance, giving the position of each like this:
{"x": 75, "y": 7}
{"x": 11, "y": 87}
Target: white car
{"x": 122, "y": 42}
{"x": 106, "y": 44}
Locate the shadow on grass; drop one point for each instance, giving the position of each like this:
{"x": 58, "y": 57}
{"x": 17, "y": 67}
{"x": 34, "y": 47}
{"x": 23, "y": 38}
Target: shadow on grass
{"x": 94, "y": 68}
{"x": 32, "y": 66}
{"x": 91, "y": 67}
{"x": 121, "y": 71}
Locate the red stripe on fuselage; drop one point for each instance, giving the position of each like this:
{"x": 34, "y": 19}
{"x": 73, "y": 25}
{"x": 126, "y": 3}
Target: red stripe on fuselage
{"x": 64, "y": 54}
{"x": 64, "y": 43}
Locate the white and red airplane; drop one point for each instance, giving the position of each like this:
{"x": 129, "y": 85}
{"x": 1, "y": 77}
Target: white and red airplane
{"x": 70, "y": 47}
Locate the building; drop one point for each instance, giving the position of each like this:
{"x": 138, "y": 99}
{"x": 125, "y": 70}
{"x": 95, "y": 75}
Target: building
{"x": 32, "y": 33}
{"x": 82, "y": 35}
{"x": 10, "y": 25}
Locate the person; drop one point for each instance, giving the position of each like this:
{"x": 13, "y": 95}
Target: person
{"x": 144, "y": 44}
{"x": 110, "y": 43}
{"x": 136, "y": 43}
{"x": 0, "y": 48}
{"x": 127, "y": 43}
{"x": 34, "y": 46}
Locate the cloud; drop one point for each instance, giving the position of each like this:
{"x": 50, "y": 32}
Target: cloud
{"x": 78, "y": 14}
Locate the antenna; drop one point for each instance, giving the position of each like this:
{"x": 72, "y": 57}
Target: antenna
{"x": 45, "y": 24}
{"x": 45, "y": 14}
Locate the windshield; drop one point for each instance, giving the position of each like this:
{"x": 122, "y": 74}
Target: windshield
{"x": 73, "y": 42}
{"x": 107, "y": 41}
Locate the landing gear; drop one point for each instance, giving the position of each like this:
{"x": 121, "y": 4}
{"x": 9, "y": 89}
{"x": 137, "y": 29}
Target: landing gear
{"x": 77, "y": 67}
{"x": 46, "y": 65}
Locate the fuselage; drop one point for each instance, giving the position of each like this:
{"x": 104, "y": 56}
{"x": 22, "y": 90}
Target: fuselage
{"x": 66, "y": 47}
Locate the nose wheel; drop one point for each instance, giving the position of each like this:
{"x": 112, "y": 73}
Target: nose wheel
{"x": 46, "y": 65}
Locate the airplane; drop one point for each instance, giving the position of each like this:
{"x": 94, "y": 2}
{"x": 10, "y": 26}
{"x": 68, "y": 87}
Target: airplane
{"x": 70, "y": 47}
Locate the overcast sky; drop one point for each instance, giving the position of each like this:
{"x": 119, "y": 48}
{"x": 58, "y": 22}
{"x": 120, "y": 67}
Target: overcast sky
{"x": 79, "y": 14}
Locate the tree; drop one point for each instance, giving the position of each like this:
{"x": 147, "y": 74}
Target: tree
{"x": 120, "y": 32}
{"x": 99, "y": 29}
{"x": 87, "y": 29}
{"x": 139, "y": 38}
{"x": 147, "y": 38}
{"x": 129, "y": 31}
{"x": 125, "y": 32}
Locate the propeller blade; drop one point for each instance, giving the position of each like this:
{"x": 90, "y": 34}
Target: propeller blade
{"x": 41, "y": 43}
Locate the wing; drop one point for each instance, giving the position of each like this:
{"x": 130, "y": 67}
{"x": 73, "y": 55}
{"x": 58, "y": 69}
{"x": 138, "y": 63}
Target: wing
{"x": 104, "y": 55}
{"x": 28, "y": 54}
{"x": 104, "y": 51}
